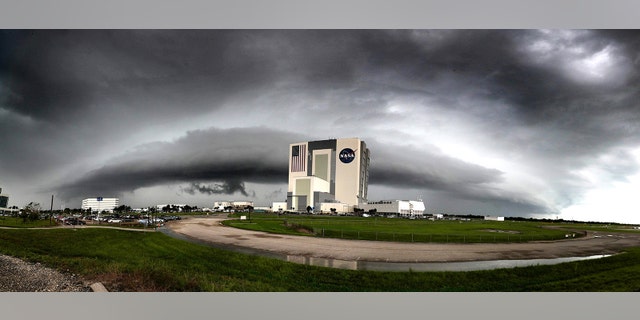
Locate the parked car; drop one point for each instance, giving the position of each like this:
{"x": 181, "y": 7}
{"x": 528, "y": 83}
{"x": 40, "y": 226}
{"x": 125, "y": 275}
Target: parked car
{"x": 74, "y": 222}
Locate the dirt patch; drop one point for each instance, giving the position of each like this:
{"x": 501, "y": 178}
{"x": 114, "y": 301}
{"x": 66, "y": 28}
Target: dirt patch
{"x": 235, "y": 236}
{"x": 304, "y": 230}
{"x": 260, "y": 235}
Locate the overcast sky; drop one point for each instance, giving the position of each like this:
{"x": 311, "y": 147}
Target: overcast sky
{"x": 534, "y": 123}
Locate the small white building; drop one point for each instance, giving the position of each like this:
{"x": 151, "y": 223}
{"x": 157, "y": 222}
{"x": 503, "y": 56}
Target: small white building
{"x": 278, "y": 206}
{"x": 334, "y": 207}
{"x": 99, "y": 204}
{"x": 492, "y": 218}
{"x": 403, "y": 208}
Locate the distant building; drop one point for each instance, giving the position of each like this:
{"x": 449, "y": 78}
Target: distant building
{"x": 491, "y": 218}
{"x": 335, "y": 207}
{"x": 99, "y": 204}
{"x": 278, "y": 206}
{"x": 4, "y": 200}
{"x": 335, "y": 170}
{"x": 403, "y": 208}
{"x": 234, "y": 205}
{"x": 178, "y": 206}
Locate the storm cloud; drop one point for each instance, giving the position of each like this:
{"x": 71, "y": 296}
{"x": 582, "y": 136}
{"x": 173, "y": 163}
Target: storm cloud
{"x": 527, "y": 120}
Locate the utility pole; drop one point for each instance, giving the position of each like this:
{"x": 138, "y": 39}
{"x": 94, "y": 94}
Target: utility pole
{"x": 51, "y": 211}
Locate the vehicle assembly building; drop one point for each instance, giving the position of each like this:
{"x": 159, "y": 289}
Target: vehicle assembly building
{"x": 334, "y": 171}
{"x": 332, "y": 176}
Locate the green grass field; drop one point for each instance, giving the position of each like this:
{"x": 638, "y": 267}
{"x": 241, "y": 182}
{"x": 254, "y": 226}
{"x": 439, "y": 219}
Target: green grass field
{"x": 15, "y": 222}
{"x": 135, "y": 261}
{"x": 386, "y": 229}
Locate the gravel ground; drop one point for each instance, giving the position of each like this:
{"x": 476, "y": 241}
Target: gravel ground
{"x": 19, "y": 276}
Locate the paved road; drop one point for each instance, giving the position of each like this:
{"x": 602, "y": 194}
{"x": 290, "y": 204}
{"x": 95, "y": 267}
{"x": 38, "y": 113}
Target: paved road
{"x": 210, "y": 230}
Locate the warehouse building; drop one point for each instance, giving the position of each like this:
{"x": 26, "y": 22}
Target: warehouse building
{"x": 328, "y": 171}
{"x": 402, "y": 208}
{"x": 99, "y": 204}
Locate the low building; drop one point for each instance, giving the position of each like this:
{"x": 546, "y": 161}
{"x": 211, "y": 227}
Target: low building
{"x": 233, "y": 205}
{"x": 176, "y": 207}
{"x": 402, "y": 208}
{"x": 278, "y": 206}
{"x": 99, "y": 204}
{"x": 335, "y": 207}
{"x": 492, "y": 218}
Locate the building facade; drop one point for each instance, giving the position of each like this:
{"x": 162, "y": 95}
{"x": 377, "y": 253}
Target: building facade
{"x": 100, "y": 204}
{"x": 403, "y": 208}
{"x": 4, "y": 200}
{"x": 335, "y": 170}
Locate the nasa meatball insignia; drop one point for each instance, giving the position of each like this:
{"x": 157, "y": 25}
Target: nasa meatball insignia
{"x": 347, "y": 155}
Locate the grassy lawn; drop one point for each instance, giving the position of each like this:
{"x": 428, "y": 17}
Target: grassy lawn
{"x": 15, "y": 222}
{"x": 388, "y": 229}
{"x": 135, "y": 261}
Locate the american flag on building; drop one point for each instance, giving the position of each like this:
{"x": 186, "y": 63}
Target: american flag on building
{"x": 298, "y": 158}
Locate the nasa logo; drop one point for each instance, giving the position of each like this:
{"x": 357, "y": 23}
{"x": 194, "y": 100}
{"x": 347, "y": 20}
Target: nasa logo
{"x": 347, "y": 155}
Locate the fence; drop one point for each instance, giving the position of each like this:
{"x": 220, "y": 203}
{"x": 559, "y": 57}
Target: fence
{"x": 440, "y": 238}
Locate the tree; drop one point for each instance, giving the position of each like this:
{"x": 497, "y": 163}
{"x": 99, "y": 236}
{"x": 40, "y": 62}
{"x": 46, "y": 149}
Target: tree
{"x": 31, "y": 212}
{"x": 122, "y": 208}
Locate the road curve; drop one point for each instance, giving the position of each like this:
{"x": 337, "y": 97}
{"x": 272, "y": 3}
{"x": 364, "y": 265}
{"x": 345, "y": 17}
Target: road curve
{"x": 210, "y": 230}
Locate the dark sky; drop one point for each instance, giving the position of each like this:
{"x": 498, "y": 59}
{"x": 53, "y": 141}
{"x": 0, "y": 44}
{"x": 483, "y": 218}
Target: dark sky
{"x": 502, "y": 122}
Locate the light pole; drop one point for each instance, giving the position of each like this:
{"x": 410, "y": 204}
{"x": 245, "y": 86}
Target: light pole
{"x": 99, "y": 199}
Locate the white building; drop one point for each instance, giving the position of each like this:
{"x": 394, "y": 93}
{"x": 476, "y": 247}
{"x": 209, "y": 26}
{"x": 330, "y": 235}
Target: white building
{"x": 237, "y": 205}
{"x": 278, "y": 206}
{"x": 100, "y": 204}
{"x": 403, "y": 208}
{"x": 179, "y": 206}
{"x": 335, "y": 207}
{"x": 491, "y": 218}
{"x": 335, "y": 170}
